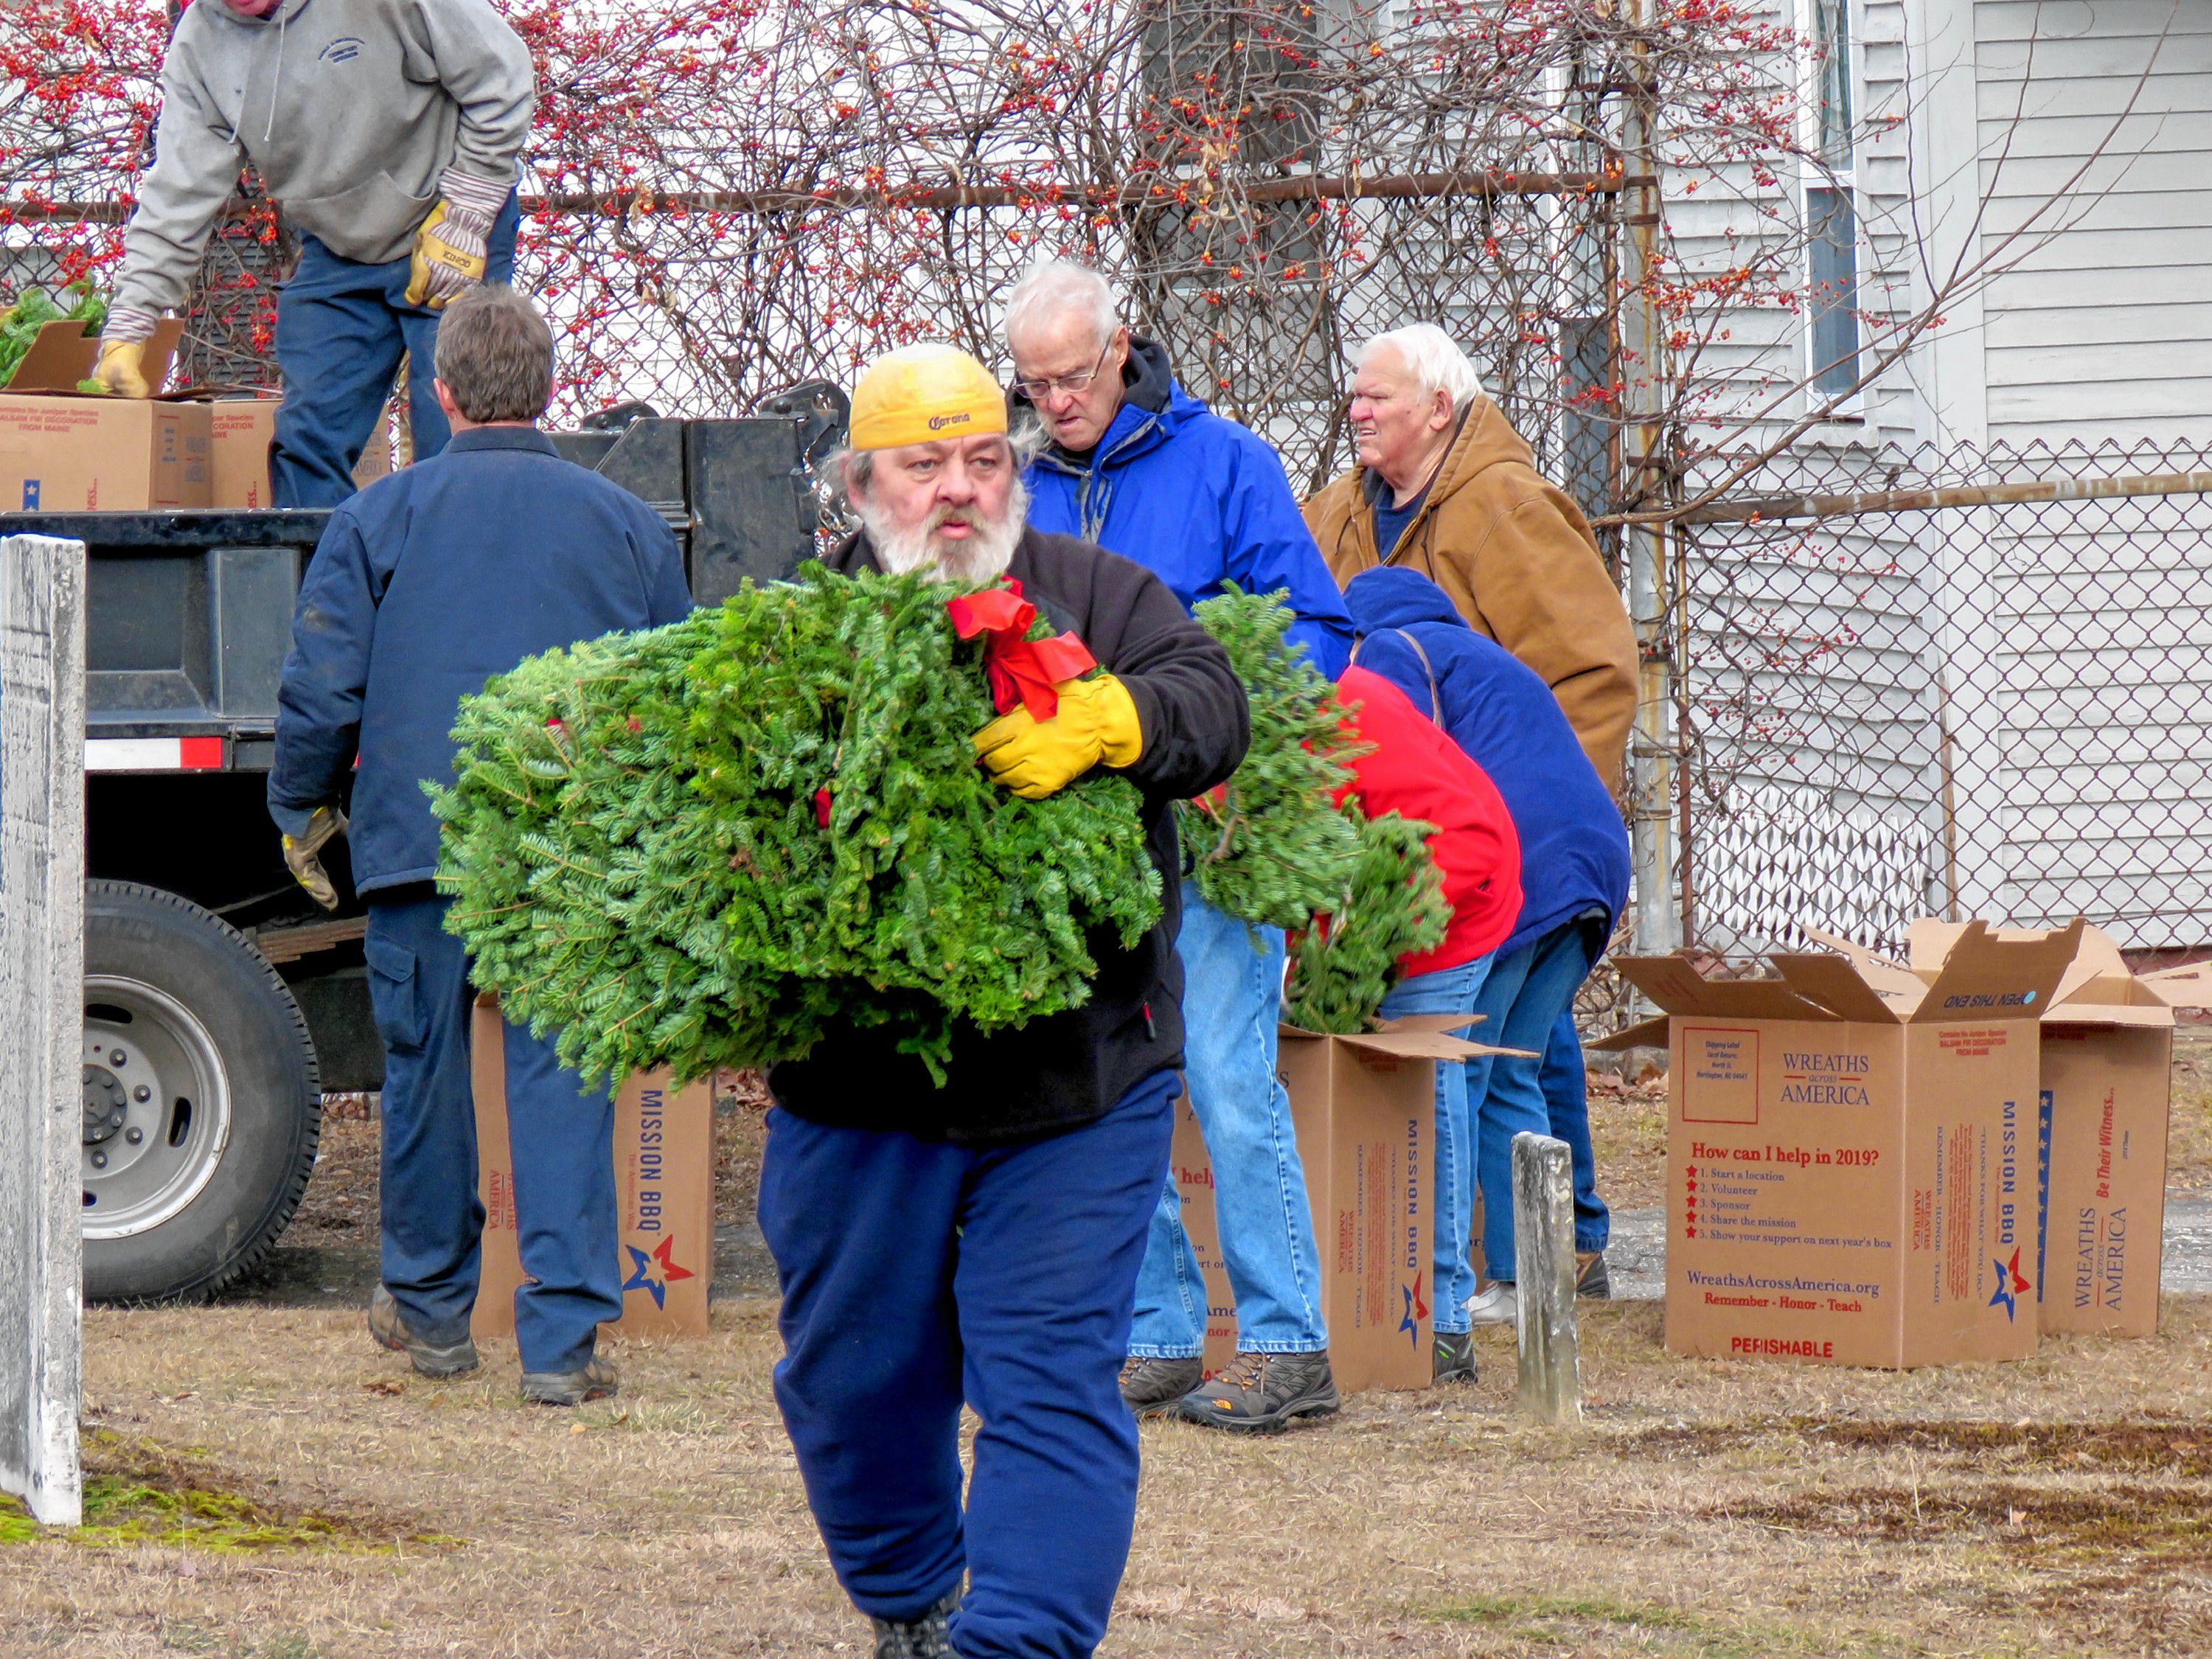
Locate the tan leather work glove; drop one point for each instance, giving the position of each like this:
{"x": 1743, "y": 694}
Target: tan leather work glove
{"x": 451, "y": 247}
{"x": 300, "y": 855}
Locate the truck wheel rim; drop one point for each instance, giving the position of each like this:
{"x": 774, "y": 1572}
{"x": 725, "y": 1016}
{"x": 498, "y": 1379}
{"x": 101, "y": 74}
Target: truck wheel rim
{"x": 156, "y": 1106}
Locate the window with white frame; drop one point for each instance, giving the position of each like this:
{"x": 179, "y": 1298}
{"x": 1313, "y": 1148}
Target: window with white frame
{"x": 1830, "y": 208}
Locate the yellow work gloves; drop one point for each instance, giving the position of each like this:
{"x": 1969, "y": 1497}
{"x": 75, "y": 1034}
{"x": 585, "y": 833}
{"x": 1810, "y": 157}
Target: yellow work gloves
{"x": 450, "y": 248}
{"x": 1097, "y": 726}
{"x": 122, "y": 369}
{"x": 301, "y": 851}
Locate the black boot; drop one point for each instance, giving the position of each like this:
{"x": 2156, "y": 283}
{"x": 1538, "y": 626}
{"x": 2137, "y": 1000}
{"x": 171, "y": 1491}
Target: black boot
{"x": 1152, "y": 1386}
{"x": 928, "y": 1637}
{"x": 1591, "y": 1279}
{"x": 1262, "y": 1393}
{"x": 1455, "y": 1357}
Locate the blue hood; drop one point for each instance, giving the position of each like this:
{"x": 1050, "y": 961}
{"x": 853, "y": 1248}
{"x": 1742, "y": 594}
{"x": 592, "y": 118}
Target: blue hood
{"x": 1392, "y": 596}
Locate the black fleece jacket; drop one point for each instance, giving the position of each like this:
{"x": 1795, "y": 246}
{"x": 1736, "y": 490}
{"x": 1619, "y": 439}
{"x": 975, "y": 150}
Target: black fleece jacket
{"x": 1066, "y": 1068}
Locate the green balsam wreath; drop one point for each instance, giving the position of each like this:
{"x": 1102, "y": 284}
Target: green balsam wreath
{"x": 713, "y": 844}
{"x": 1270, "y": 846}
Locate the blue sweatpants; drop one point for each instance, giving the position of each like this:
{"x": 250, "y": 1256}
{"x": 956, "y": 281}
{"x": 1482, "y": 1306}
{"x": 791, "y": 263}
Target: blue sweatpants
{"x": 341, "y": 327}
{"x": 917, "y": 1275}
{"x": 562, "y": 1140}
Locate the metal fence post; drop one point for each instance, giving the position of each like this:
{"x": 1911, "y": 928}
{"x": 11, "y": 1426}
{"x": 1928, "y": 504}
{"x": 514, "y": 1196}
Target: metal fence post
{"x": 1651, "y": 745}
{"x": 42, "y": 585}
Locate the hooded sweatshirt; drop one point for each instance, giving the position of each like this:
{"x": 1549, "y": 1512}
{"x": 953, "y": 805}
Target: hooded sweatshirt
{"x": 348, "y": 109}
{"x": 1518, "y": 559}
{"x": 1416, "y": 770}
{"x": 1199, "y": 501}
{"x": 1574, "y": 848}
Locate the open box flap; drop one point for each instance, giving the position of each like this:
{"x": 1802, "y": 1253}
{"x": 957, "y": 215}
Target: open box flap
{"x": 63, "y": 354}
{"x": 1680, "y": 989}
{"x": 1428, "y": 1045}
{"x": 1839, "y": 987}
{"x": 2189, "y": 986}
{"x": 1887, "y": 977}
{"x": 1412, "y": 1038}
{"x": 1986, "y": 977}
{"x": 2097, "y": 990}
{"x": 1644, "y": 1034}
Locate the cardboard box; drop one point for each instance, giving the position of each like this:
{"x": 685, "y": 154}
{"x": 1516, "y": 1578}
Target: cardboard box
{"x": 1364, "y": 1110}
{"x": 2106, "y": 1046}
{"x": 664, "y": 1189}
{"x": 1852, "y": 1153}
{"x": 64, "y": 452}
{"x": 1194, "y": 1174}
{"x": 239, "y": 431}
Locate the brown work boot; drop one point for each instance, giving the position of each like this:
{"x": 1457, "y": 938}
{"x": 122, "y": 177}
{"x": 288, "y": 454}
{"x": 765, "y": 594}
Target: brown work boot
{"x": 1152, "y": 1386}
{"x": 597, "y": 1380}
{"x": 1262, "y": 1393}
{"x": 391, "y": 1329}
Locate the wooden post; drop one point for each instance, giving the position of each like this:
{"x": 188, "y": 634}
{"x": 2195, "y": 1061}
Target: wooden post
{"x": 42, "y": 585}
{"x": 1544, "y": 1248}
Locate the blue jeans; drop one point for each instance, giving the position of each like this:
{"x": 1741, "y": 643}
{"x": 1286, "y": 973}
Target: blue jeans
{"x": 1523, "y": 998}
{"x": 1566, "y": 1097}
{"x": 919, "y": 1273}
{"x": 562, "y": 1136}
{"x": 1232, "y": 996}
{"x": 1449, "y": 991}
{"x": 341, "y": 327}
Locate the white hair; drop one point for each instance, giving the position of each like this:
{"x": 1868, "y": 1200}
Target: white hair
{"x": 981, "y": 557}
{"x": 1435, "y": 363}
{"x": 1052, "y": 286}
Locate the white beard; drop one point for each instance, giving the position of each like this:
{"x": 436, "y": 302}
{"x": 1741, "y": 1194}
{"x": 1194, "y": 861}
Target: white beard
{"x": 980, "y": 558}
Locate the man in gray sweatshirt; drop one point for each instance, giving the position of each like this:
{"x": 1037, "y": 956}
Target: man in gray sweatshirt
{"x": 388, "y": 130}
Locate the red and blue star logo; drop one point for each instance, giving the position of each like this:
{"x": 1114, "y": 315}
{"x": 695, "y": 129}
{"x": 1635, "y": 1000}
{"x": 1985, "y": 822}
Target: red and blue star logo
{"x": 1416, "y": 1310}
{"x": 644, "y": 1279}
{"x": 2011, "y": 1286}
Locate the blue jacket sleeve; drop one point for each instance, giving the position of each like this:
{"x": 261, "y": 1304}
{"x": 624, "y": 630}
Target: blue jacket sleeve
{"x": 1269, "y": 549}
{"x": 667, "y": 595}
{"x": 319, "y": 698}
{"x": 1387, "y": 654}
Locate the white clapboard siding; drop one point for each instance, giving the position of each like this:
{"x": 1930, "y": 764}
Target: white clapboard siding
{"x": 2070, "y": 347}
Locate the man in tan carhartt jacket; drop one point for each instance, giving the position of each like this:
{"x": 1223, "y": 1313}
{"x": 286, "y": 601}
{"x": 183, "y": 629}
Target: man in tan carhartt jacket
{"x": 1456, "y": 492}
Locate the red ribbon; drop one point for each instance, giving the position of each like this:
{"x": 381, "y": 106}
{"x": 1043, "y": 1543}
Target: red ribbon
{"x": 1021, "y": 670}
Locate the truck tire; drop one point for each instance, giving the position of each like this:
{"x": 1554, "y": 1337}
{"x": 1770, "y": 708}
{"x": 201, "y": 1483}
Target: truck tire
{"x": 201, "y": 1104}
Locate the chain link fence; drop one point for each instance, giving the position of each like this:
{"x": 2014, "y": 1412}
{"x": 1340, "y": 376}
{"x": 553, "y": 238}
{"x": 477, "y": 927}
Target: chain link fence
{"x": 1962, "y": 683}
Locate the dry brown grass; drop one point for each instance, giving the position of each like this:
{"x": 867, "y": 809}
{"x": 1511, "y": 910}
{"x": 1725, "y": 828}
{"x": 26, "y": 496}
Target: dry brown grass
{"x": 2189, "y": 1133}
{"x": 1710, "y": 1508}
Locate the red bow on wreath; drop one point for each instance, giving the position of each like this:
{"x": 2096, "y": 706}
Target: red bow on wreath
{"x": 1022, "y": 671}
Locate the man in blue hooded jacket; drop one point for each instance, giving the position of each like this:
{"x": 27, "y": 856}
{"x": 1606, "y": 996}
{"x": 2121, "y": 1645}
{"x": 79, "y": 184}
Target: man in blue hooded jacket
{"x": 424, "y": 586}
{"x": 1137, "y": 464}
{"x": 1574, "y": 881}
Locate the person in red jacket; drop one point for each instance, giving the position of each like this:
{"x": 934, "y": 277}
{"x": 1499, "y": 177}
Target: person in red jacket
{"x": 1418, "y": 771}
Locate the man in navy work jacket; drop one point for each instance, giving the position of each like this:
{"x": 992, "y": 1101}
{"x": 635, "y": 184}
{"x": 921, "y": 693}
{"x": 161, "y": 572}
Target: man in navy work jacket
{"x": 424, "y": 586}
{"x": 978, "y": 1240}
{"x": 1135, "y": 464}
{"x": 1574, "y": 880}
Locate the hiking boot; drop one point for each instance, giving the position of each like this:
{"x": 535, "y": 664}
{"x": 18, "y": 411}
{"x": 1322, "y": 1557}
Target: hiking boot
{"x": 1151, "y": 1386}
{"x": 1497, "y": 1302}
{"x": 391, "y": 1329}
{"x": 597, "y": 1380}
{"x": 928, "y": 1637}
{"x": 1262, "y": 1393}
{"x": 1591, "y": 1279}
{"x": 1455, "y": 1357}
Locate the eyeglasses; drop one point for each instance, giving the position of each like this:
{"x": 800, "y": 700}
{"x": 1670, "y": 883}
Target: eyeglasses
{"x": 1037, "y": 391}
